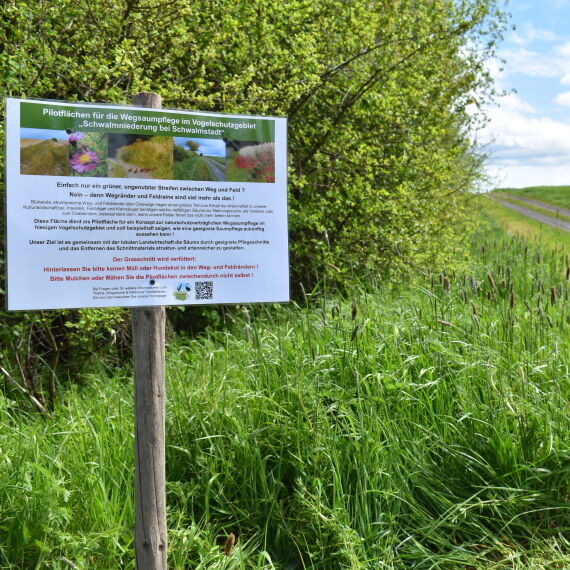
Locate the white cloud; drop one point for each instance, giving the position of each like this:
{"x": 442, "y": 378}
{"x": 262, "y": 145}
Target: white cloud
{"x": 505, "y": 176}
{"x": 512, "y": 103}
{"x": 563, "y": 99}
{"x": 528, "y": 34}
{"x": 553, "y": 62}
{"x": 564, "y": 49}
{"x": 517, "y": 136}
{"x": 530, "y": 63}
{"x": 528, "y": 149}
{"x": 565, "y": 80}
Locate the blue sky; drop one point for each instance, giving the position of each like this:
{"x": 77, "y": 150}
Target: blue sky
{"x": 529, "y": 129}
{"x": 26, "y": 133}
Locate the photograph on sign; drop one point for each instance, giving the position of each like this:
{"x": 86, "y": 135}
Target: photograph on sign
{"x": 127, "y": 206}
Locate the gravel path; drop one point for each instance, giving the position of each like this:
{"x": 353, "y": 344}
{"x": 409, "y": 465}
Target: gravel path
{"x": 555, "y": 209}
{"x": 215, "y": 167}
{"x": 543, "y": 218}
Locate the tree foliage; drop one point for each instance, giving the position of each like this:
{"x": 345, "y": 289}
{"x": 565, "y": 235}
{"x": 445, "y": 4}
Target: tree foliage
{"x": 381, "y": 97}
{"x": 377, "y": 93}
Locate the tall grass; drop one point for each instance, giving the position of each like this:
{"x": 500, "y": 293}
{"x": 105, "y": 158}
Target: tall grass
{"x": 66, "y": 481}
{"x": 430, "y": 430}
{"x": 420, "y": 426}
{"x": 193, "y": 168}
{"x": 154, "y": 154}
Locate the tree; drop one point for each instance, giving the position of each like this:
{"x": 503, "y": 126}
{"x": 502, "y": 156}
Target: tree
{"x": 380, "y": 96}
{"x": 192, "y": 145}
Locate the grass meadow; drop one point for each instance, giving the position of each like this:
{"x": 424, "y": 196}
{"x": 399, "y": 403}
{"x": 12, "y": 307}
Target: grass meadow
{"x": 540, "y": 209}
{"x": 555, "y": 195}
{"x": 420, "y": 425}
{"x": 192, "y": 168}
{"x": 534, "y": 232}
{"x": 48, "y": 157}
{"x": 153, "y": 156}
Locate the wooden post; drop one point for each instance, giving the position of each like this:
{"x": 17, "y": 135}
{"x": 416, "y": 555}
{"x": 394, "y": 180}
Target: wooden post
{"x": 150, "y": 465}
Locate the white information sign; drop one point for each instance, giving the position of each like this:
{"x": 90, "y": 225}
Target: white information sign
{"x": 126, "y": 206}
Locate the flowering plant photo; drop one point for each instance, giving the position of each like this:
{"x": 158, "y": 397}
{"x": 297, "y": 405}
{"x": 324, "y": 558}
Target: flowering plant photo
{"x": 259, "y": 161}
{"x": 250, "y": 161}
{"x": 87, "y": 153}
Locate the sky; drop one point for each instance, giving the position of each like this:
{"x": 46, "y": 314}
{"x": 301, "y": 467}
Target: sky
{"x": 528, "y": 135}
{"x": 42, "y": 134}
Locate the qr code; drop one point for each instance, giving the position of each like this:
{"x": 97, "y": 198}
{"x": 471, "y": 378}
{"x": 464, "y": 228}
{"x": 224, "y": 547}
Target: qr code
{"x": 204, "y": 290}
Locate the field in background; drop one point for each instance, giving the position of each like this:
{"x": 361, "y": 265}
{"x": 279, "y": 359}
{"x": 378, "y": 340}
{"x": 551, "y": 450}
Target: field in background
{"x": 555, "y": 195}
{"x": 517, "y": 224}
{"x": 421, "y": 426}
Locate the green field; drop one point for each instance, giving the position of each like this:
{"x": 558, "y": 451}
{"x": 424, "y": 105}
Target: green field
{"x": 424, "y": 425}
{"x": 539, "y": 209}
{"x": 193, "y": 168}
{"x": 555, "y": 195}
{"x": 519, "y": 225}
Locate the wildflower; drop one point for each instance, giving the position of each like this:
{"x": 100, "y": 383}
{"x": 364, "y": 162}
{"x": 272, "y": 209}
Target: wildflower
{"x": 74, "y": 137}
{"x": 259, "y": 160}
{"x": 84, "y": 161}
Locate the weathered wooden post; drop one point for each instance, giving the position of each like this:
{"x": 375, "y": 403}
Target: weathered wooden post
{"x": 150, "y": 466}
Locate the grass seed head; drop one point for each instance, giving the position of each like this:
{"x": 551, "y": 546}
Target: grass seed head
{"x": 553, "y": 295}
{"x": 230, "y": 541}
{"x": 354, "y": 311}
{"x": 335, "y": 311}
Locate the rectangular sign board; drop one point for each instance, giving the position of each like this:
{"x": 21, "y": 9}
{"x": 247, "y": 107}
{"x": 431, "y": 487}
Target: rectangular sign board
{"x": 125, "y": 206}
